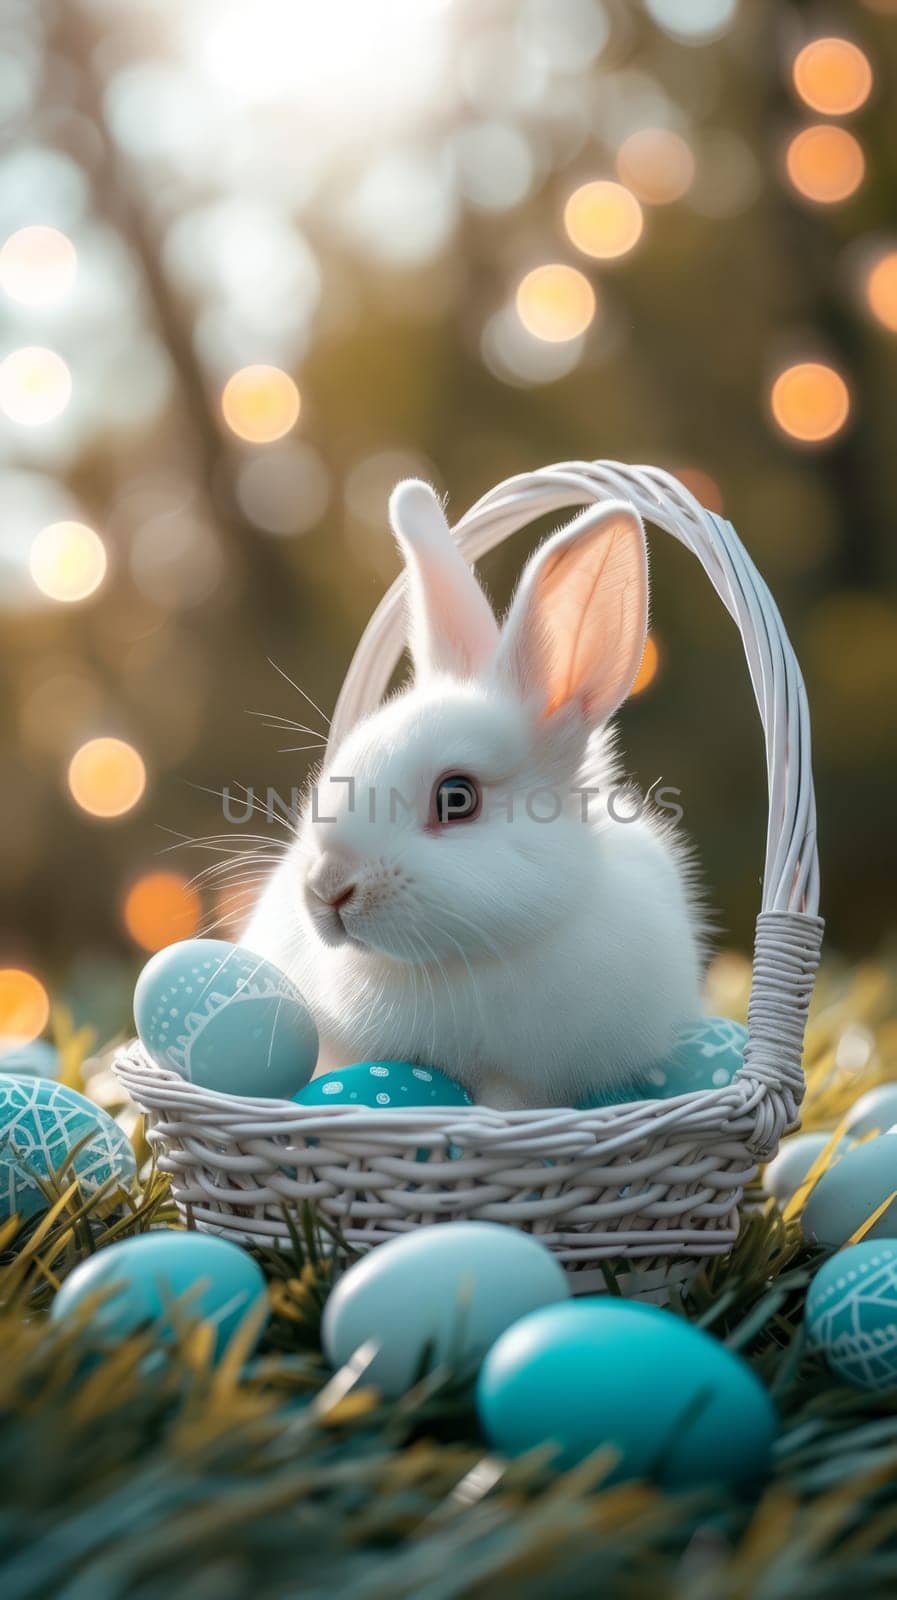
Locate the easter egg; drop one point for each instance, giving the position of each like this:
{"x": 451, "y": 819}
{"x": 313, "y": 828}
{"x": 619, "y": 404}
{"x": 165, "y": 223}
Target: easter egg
{"x": 707, "y": 1054}
{"x": 31, "y": 1056}
{"x": 785, "y": 1174}
{"x": 874, "y": 1112}
{"x": 165, "y": 1278}
{"x": 41, "y": 1122}
{"x": 438, "y": 1294}
{"x": 392, "y": 1084}
{"x": 846, "y": 1196}
{"x": 670, "y": 1400}
{"x": 851, "y": 1316}
{"x": 224, "y": 1018}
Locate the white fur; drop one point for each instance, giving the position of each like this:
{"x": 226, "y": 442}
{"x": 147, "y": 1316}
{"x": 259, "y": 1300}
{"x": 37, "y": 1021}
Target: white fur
{"x": 534, "y": 961}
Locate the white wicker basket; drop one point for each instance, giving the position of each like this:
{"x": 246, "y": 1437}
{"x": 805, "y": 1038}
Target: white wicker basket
{"x": 652, "y": 1180}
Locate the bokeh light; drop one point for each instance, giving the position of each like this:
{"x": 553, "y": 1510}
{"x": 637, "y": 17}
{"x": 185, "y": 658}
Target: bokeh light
{"x": 832, "y": 76}
{"x": 24, "y": 1005}
{"x": 810, "y": 401}
{"x": 260, "y": 403}
{"x": 702, "y": 486}
{"x": 35, "y": 386}
{"x": 657, "y": 165}
{"x": 555, "y": 302}
{"x": 692, "y": 21}
{"x": 67, "y": 561}
{"x": 285, "y": 490}
{"x": 106, "y": 777}
{"x": 881, "y": 290}
{"x": 647, "y": 672}
{"x": 825, "y": 164}
{"x": 160, "y": 908}
{"x": 603, "y": 219}
{"x": 38, "y": 266}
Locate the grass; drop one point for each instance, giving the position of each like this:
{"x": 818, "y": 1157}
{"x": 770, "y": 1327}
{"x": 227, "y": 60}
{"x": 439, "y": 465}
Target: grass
{"x": 275, "y": 1478}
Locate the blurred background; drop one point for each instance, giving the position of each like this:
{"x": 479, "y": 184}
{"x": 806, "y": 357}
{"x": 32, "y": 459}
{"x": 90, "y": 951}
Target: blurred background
{"x": 261, "y": 258}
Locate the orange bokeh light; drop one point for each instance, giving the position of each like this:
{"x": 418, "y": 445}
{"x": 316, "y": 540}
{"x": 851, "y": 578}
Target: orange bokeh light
{"x": 106, "y": 777}
{"x": 810, "y": 401}
{"x": 24, "y": 1006}
{"x": 702, "y": 486}
{"x": 603, "y": 219}
{"x": 555, "y": 302}
{"x": 881, "y": 290}
{"x": 825, "y": 164}
{"x": 260, "y": 404}
{"x": 657, "y": 165}
{"x": 832, "y": 76}
{"x": 160, "y": 908}
{"x": 647, "y": 672}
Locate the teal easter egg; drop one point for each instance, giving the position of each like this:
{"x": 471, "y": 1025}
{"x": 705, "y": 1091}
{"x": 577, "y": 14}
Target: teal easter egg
{"x": 874, "y": 1112}
{"x": 394, "y": 1085}
{"x": 438, "y": 1294}
{"x": 846, "y": 1196}
{"x": 673, "y": 1403}
{"x": 224, "y": 1018}
{"x": 31, "y": 1056}
{"x": 167, "y": 1279}
{"x": 851, "y": 1315}
{"x": 707, "y": 1054}
{"x": 785, "y": 1174}
{"x": 41, "y": 1122}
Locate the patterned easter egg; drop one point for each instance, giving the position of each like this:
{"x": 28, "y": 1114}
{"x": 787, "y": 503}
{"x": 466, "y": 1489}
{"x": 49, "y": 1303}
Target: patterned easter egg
{"x": 847, "y": 1195}
{"x": 851, "y": 1315}
{"x": 30, "y": 1055}
{"x": 707, "y": 1054}
{"x": 40, "y": 1123}
{"x": 224, "y": 1018}
{"x": 393, "y": 1085}
{"x": 165, "y": 1278}
{"x": 671, "y": 1401}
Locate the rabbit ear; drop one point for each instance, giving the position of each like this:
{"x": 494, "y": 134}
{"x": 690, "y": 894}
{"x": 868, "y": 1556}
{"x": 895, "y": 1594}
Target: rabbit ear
{"x": 451, "y": 625}
{"x": 575, "y": 634}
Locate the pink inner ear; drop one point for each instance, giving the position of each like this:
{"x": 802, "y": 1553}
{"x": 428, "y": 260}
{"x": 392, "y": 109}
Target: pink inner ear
{"x": 451, "y": 624}
{"x": 593, "y": 615}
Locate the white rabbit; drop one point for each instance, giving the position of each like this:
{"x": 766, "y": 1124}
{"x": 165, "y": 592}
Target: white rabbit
{"x": 428, "y": 911}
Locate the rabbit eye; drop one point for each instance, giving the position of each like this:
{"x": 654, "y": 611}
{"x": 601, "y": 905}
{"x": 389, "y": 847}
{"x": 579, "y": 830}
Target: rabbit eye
{"x": 456, "y": 798}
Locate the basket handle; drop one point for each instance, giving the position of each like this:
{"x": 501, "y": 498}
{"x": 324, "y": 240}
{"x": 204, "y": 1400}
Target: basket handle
{"x": 789, "y": 931}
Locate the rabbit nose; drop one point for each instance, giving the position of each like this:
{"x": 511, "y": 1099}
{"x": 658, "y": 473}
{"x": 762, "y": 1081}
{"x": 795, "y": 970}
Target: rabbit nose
{"x": 331, "y": 880}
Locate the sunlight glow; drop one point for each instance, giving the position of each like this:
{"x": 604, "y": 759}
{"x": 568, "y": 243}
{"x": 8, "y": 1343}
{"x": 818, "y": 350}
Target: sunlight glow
{"x": 260, "y": 404}
{"x": 37, "y": 266}
{"x": 881, "y": 290}
{"x": 67, "y": 561}
{"x": 35, "y": 386}
{"x": 832, "y": 76}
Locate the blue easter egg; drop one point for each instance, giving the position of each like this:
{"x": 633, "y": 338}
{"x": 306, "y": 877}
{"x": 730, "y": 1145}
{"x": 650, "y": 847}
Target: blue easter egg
{"x": 707, "y": 1054}
{"x": 670, "y": 1400}
{"x": 851, "y": 1315}
{"x": 443, "y": 1292}
{"x": 224, "y": 1018}
{"x": 874, "y": 1112}
{"x": 30, "y": 1055}
{"x": 41, "y": 1121}
{"x": 849, "y": 1192}
{"x": 394, "y": 1085}
{"x": 786, "y": 1172}
{"x": 165, "y": 1278}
